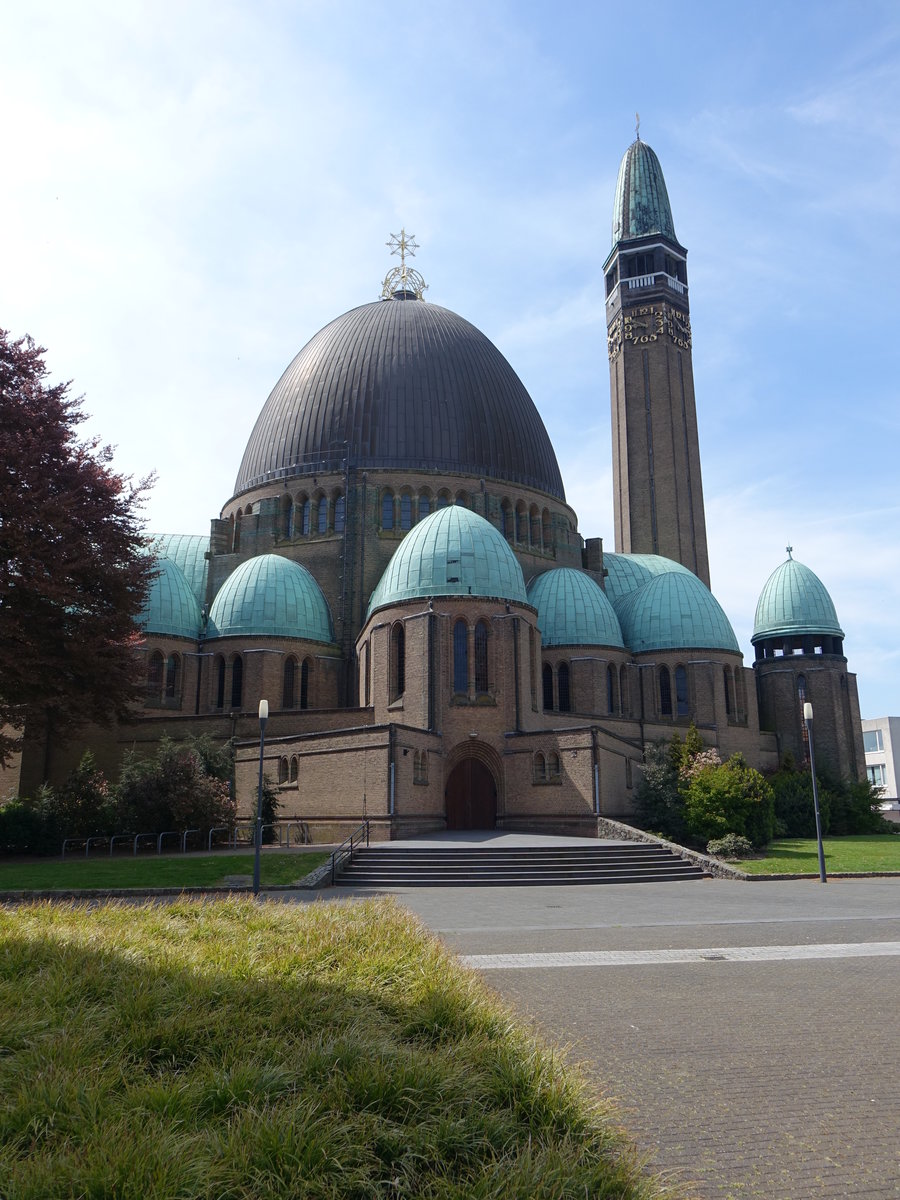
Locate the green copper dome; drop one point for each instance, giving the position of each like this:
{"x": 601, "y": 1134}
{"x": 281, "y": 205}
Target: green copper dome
{"x": 675, "y": 611}
{"x": 794, "y": 601}
{"x": 454, "y": 552}
{"x": 642, "y": 202}
{"x": 188, "y": 551}
{"x": 625, "y": 573}
{"x": 572, "y": 610}
{"x": 171, "y": 608}
{"x": 270, "y": 596}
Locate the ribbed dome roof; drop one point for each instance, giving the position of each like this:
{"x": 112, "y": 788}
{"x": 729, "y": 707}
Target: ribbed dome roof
{"x": 405, "y": 385}
{"x": 270, "y": 596}
{"x": 454, "y": 552}
{"x": 675, "y": 611}
{"x": 572, "y": 610}
{"x": 794, "y": 601}
{"x": 642, "y": 202}
{"x": 188, "y": 551}
{"x": 627, "y": 572}
{"x": 171, "y": 608}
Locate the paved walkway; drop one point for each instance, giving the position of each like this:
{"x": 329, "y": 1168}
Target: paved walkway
{"x": 749, "y": 1031}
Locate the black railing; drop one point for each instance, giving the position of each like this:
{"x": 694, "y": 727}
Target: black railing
{"x": 344, "y": 852}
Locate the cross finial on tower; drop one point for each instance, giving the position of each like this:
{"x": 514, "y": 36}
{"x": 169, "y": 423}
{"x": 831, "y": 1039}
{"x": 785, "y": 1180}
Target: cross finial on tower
{"x": 403, "y": 282}
{"x": 789, "y": 550}
{"x": 403, "y": 245}
{"x": 637, "y": 126}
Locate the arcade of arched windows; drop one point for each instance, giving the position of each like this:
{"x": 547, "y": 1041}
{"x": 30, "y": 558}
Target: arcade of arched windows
{"x": 472, "y": 672}
{"x": 528, "y": 527}
{"x": 675, "y": 700}
{"x": 296, "y": 682}
{"x": 163, "y": 681}
{"x": 227, "y": 682}
{"x": 288, "y": 770}
{"x": 557, "y": 687}
{"x": 546, "y": 767}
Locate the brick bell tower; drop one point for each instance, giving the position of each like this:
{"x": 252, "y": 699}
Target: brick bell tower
{"x": 656, "y": 451}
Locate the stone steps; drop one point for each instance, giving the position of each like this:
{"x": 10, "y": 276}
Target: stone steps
{"x": 384, "y": 867}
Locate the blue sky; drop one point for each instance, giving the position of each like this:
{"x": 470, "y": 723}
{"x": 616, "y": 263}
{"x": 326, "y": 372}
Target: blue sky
{"x": 193, "y": 189}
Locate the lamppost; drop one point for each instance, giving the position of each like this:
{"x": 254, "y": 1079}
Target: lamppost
{"x": 263, "y": 717}
{"x": 808, "y": 719}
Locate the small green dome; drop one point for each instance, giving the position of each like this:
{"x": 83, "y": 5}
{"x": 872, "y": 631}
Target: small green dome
{"x": 270, "y": 596}
{"x": 675, "y": 611}
{"x": 642, "y": 202}
{"x": 625, "y": 573}
{"x": 572, "y": 610}
{"x": 453, "y": 552}
{"x": 188, "y": 551}
{"x": 794, "y": 601}
{"x": 171, "y": 608}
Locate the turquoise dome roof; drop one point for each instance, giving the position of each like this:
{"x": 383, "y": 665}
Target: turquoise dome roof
{"x": 453, "y": 552}
{"x": 188, "y": 551}
{"x": 627, "y": 572}
{"x": 270, "y": 596}
{"x": 642, "y": 202}
{"x": 794, "y": 601}
{"x": 675, "y": 611}
{"x": 572, "y": 610}
{"x": 171, "y": 608}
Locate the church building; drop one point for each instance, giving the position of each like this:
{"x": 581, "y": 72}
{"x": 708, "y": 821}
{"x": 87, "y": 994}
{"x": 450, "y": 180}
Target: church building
{"x": 399, "y": 574}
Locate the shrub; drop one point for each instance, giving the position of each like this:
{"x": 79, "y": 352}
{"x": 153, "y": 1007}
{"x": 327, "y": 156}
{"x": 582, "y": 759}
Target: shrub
{"x": 658, "y": 800}
{"x": 844, "y": 807}
{"x": 730, "y": 797}
{"x": 172, "y": 791}
{"x": 21, "y": 828}
{"x": 732, "y": 845}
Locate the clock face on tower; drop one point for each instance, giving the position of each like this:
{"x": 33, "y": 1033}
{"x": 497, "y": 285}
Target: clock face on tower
{"x": 649, "y": 323}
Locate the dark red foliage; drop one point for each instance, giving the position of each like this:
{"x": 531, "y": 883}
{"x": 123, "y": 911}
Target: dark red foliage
{"x": 72, "y": 574}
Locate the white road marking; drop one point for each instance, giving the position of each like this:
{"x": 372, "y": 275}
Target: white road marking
{"x": 640, "y": 958}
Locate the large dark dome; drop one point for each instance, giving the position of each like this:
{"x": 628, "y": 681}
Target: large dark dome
{"x": 405, "y": 385}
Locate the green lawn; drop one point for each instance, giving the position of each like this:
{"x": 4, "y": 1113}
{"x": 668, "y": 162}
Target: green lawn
{"x": 865, "y": 852}
{"x": 168, "y": 871}
{"x": 231, "y": 1050}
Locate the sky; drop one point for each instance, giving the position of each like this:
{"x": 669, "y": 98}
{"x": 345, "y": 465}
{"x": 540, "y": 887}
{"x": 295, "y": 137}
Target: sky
{"x": 193, "y": 189}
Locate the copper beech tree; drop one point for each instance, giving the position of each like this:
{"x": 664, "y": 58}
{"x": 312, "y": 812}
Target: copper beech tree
{"x": 72, "y": 569}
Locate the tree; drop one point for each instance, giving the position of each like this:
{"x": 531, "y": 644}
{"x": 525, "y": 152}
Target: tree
{"x": 72, "y": 569}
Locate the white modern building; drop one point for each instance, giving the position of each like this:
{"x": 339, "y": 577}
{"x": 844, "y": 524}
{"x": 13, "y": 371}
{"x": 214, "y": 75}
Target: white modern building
{"x": 881, "y": 742}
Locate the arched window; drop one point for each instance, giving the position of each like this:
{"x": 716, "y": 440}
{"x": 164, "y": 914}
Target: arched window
{"x": 237, "y": 682}
{"x": 406, "y": 511}
{"x": 340, "y": 513}
{"x": 681, "y": 692}
{"x": 546, "y": 529}
{"x": 533, "y": 668}
{"x": 155, "y": 668}
{"x": 282, "y": 770}
{"x": 236, "y": 544}
{"x": 220, "y": 682}
{"x": 287, "y": 691}
{"x": 540, "y": 768}
{"x": 295, "y": 769}
{"x": 801, "y": 687}
{"x": 462, "y": 499}
{"x": 304, "y": 515}
{"x": 172, "y": 673}
{"x": 553, "y": 764}
{"x": 461, "y": 658}
{"x": 387, "y": 510}
{"x": 729, "y": 702}
{"x": 443, "y": 499}
{"x": 304, "y": 683}
{"x": 565, "y": 693}
{"x": 548, "y": 687}
{"x": 521, "y": 523}
{"x": 665, "y": 692}
{"x": 287, "y": 517}
{"x": 322, "y": 517}
{"x": 623, "y": 692}
{"x": 534, "y": 520}
{"x": 481, "y": 658}
{"x": 398, "y": 661}
{"x": 610, "y": 689}
{"x": 507, "y": 523}
{"x": 364, "y": 674}
{"x": 424, "y": 505}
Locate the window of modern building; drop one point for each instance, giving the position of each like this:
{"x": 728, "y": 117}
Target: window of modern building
{"x": 876, "y": 774}
{"x": 461, "y": 658}
{"x": 872, "y": 740}
{"x": 563, "y": 688}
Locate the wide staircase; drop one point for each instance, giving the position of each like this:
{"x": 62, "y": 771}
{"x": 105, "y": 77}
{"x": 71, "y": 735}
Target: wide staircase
{"x": 521, "y": 866}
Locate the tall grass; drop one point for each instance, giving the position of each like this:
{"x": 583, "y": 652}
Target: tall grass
{"x": 233, "y": 1051}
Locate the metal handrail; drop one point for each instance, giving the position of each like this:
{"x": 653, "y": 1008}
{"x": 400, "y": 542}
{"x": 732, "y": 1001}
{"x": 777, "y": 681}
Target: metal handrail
{"x": 346, "y": 847}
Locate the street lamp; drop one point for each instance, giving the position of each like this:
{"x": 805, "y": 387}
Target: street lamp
{"x": 263, "y": 717}
{"x": 808, "y": 719}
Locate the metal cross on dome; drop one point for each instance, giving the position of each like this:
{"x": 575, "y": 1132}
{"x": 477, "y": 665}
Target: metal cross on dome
{"x": 403, "y": 282}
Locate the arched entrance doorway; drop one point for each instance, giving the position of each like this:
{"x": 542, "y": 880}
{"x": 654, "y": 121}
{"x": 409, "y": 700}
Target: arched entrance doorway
{"x": 471, "y": 796}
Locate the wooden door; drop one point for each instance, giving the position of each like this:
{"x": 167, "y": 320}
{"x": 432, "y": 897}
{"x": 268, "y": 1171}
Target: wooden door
{"x": 471, "y": 796}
